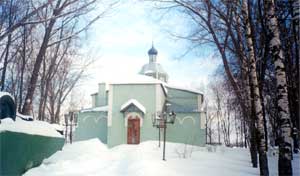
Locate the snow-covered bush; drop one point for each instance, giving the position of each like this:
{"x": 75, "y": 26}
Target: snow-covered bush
{"x": 221, "y": 149}
{"x": 211, "y": 148}
{"x": 184, "y": 151}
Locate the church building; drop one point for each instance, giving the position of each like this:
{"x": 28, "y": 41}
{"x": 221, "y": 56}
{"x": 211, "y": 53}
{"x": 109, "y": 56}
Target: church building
{"x": 122, "y": 111}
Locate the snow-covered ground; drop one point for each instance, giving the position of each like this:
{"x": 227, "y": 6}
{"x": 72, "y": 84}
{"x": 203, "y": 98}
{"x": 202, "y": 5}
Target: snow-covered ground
{"x": 94, "y": 158}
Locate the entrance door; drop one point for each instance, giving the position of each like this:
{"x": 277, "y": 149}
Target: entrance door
{"x": 133, "y": 131}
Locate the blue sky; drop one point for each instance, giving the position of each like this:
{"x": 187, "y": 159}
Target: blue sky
{"x": 120, "y": 41}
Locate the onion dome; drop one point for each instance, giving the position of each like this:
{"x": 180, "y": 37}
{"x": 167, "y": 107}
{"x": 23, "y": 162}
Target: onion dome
{"x": 152, "y": 51}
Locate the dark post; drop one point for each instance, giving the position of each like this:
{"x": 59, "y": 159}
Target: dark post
{"x": 206, "y": 126}
{"x": 71, "y": 124}
{"x": 159, "y": 137}
{"x": 245, "y": 132}
{"x": 66, "y": 123}
{"x": 160, "y": 120}
{"x": 164, "y": 150}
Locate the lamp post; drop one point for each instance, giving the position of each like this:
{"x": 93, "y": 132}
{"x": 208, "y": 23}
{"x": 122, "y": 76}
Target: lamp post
{"x": 70, "y": 120}
{"x": 71, "y": 125}
{"x": 160, "y": 120}
{"x": 66, "y": 124}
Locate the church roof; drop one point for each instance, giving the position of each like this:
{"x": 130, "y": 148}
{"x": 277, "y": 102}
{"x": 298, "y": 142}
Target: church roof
{"x": 143, "y": 79}
{"x": 96, "y": 109}
{"x": 183, "y": 88}
{"x": 152, "y": 68}
{"x": 135, "y": 103}
{"x": 135, "y": 79}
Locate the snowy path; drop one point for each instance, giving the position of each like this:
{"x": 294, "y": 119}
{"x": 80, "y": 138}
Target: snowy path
{"x": 91, "y": 158}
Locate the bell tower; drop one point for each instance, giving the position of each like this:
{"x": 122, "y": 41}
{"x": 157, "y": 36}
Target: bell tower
{"x": 153, "y": 68}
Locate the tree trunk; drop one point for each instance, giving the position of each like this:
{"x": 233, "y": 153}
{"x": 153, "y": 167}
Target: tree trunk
{"x": 284, "y": 163}
{"x": 22, "y": 69}
{"x": 42, "y": 90}
{"x": 7, "y": 48}
{"x": 263, "y": 160}
{"x": 245, "y": 87}
{"x": 218, "y": 116}
{"x": 5, "y": 62}
{"x": 294, "y": 9}
{"x": 253, "y": 147}
{"x": 36, "y": 68}
{"x": 39, "y": 59}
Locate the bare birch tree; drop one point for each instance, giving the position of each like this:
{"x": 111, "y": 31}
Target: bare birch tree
{"x": 285, "y": 146}
{"x": 263, "y": 160}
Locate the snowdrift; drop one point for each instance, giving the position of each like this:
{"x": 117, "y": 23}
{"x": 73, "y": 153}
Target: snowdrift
{"x": 92, "y": 157}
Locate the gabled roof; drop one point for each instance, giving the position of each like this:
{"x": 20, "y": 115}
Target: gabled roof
{"x": 135, "y": 103}
{"x": 183, "y": 88}
{"x": 96, "y": 109}
{"x": 135, "y": 79}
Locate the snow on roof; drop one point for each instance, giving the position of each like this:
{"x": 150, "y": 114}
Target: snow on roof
{"x": 134, "y": 79}
{"x": 183, "y": 88}
{"x": 96, "y": 109}
{"x": 6, "y": 93}
{"x": 134, "y": 102}
{"x": 153, "y": 68}
{"x": 29, "y": 127}
{"x": 148, "y": 71}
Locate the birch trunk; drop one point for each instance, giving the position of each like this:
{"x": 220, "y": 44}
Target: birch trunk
{"x": 263, "y": 160}
{"x": 284, "y": 163}
{"x": 247, "y": 94}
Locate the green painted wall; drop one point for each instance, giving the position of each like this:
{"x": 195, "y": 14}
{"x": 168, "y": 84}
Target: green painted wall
{"x": 186, "y": 130}
{"x": 91, "y": 125}
{"x": 102, "y": 95}
{"x": 186, "y": 106}
{"x": 20, "y": 152}
{"x": 183, "y": 98}
{"x": 106, "y": 98}
{"x": 183, "y": 131}
{"x": 145, "y": 94}
{"x": 95, "y": 100}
